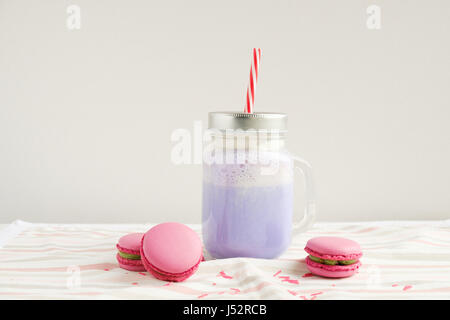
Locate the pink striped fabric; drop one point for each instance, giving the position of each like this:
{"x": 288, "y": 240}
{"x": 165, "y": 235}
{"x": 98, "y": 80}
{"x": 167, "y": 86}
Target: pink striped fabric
{"x": 402, "y": 260}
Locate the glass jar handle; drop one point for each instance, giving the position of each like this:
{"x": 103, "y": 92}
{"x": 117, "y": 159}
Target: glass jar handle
{"x": 310, "y": 205}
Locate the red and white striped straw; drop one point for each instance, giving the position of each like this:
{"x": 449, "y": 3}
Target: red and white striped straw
{"x": 254, "y": 68}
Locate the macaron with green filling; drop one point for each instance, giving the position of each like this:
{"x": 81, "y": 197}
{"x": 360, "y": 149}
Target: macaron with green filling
{"x": 129, "y": 255}
{"x": 333, "y": 257}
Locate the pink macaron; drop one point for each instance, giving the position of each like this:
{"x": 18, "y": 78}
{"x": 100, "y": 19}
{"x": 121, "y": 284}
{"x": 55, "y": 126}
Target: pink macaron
{"x": 129, "y": 255}
{"x": 333, "y": 257}
{"x": 171, "y": 251}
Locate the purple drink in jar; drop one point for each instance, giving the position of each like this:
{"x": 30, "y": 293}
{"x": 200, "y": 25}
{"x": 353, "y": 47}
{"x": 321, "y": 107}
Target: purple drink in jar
{"x": 248, "y": 197}
{"x": 246, "y": 213}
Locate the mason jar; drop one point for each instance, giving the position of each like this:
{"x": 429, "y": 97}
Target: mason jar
{"x": 248, "y": 186}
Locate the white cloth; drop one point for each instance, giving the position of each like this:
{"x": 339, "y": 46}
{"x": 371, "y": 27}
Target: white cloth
{"x": 402, "y": 260}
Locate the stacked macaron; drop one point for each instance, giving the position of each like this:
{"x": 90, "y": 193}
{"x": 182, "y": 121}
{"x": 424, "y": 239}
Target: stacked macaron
{"x": 333, "y": 257}
{"x": 169, "y": 251}
{"x": 129, "y": 255}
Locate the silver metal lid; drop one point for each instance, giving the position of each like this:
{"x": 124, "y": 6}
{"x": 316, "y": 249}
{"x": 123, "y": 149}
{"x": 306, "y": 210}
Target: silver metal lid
{"x": 246, "y": 121}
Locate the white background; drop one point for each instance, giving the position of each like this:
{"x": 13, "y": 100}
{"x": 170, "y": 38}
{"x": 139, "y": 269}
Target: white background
{"x": 86, "y": 115}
